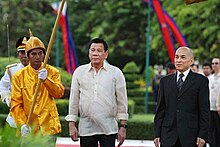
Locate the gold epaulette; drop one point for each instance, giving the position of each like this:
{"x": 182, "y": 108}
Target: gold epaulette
{"x": 8, "y": 70}
{"x": 11, "y": 65}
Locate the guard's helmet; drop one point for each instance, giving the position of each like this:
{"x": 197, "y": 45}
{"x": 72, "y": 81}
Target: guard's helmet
{"x": 20, "y": 44}
{"x": 34, "y": 43}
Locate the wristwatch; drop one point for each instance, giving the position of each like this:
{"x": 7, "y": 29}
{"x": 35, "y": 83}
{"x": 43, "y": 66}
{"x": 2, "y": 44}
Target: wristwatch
{"x": 123, "y": 125}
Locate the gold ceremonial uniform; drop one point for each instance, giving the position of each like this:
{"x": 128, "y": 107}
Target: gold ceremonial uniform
{"x": 45, "y": 116}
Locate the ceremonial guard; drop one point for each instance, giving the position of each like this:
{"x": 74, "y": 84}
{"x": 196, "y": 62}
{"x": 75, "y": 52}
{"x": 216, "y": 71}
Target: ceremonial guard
{"x": 6, "y": 81}
{"x": 45, "y": 117}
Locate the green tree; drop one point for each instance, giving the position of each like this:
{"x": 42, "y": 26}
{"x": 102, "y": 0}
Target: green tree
{"x": 121, "y": 23}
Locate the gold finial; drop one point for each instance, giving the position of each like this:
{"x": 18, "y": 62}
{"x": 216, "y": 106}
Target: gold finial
{"x": 31, "y": 35}
{"x": 24, "y": 40}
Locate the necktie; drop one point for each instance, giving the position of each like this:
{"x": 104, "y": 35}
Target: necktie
{"x": 180, "y": 82}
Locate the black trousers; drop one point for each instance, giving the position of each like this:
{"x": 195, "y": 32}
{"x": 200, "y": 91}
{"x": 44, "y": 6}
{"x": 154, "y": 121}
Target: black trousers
{"x": 214, "y": 131}
{"x": 103, "y": 140}
{"x": 177, "y": 144}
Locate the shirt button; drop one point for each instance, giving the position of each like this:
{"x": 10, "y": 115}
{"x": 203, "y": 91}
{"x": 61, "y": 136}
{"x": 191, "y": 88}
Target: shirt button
{"x": 178, "y": 99}
{"x": 178, "y": 111}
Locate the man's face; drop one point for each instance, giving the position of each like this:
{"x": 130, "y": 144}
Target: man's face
{"x": 36, "y": 57}
{"x": 97, "y": 54}
{"x": 170, "y": 71}
{"x": 23, "y": 57}
{"x": 216, "y": 64}
{"x": 183, "y": 59}
{"x": 206, "y": 70}
{"x": 194, "y": 68}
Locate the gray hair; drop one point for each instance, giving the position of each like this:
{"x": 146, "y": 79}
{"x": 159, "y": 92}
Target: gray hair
{"x": 190, "y": 52}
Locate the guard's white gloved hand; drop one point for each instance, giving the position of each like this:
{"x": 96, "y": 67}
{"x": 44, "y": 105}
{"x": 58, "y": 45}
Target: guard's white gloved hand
{"x": 6, "y": 98}
{"x": 11, "y": 121}
{"x": 25, "y": 130}
{"x": 8, "y": 101}
{"x": 42, "y": 74}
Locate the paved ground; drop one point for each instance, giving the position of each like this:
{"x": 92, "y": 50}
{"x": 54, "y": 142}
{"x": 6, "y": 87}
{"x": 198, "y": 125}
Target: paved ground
{"x": 67, "y": 142}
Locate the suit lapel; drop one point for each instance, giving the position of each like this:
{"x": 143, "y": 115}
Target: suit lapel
{"x": 187, "y": 83}
{"x": 174, "y": 84}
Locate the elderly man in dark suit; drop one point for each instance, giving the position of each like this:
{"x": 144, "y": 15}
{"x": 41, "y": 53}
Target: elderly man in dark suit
{"x": 182, "y": 114}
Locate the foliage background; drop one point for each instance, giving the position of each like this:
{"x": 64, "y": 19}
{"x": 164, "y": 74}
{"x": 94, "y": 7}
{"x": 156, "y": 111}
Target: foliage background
{"x": 121, "y": 23}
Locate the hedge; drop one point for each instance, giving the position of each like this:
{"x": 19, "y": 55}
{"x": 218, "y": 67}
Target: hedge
{"x": 138, "y": 130}
{"x": 63, "y": 107}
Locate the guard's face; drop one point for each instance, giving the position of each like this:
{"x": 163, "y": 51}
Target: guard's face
{"x": 183, "y": 59}
{"x": 36, "y": 57}
{"x": 23, "y": 57}
{"x": 97, "y": 54}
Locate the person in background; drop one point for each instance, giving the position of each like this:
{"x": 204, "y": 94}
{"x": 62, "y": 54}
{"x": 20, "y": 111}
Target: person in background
{"x": 45, "y": 117}
{"x": 170, "y": 68}
{"x": 207, "y": 69}
{"x": 218, "y": 101}
{"x": 182, "y": 114}
{"x": 195, "y": 67}
{"x": 214, "y": 132}
{"x": 6, "y": 80}
{"x": 98, "y": 91}
{"x": 217, "y": 119}
{"x": 155, "y": 83}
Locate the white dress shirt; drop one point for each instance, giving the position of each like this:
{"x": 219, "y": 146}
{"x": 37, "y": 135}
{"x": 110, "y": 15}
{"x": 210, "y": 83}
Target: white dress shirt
{"x": 214, "y": 89}
{"x": 100, "y": 97}
{"x": 185, "y": 73}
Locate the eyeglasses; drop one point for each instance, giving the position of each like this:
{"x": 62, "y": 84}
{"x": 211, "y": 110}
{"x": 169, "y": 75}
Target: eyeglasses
{"x": 216, "y": 63}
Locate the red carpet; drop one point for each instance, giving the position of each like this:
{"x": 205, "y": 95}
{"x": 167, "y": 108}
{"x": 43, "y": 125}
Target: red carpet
{"x": 67, "y": 142}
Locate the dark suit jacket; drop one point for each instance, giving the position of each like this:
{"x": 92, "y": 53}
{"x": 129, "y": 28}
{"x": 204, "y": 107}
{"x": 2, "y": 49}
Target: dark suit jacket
{"x": 183, "y": 114}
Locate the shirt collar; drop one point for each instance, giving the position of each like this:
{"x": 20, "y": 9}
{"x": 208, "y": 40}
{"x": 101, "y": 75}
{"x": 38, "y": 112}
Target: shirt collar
{"x": 185, "y": 74}
{"x": 105, "y": 66}
{"x": 218, "y": 74}
{"x": 20, "y": 65}
{"x": 32, "y": 70}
